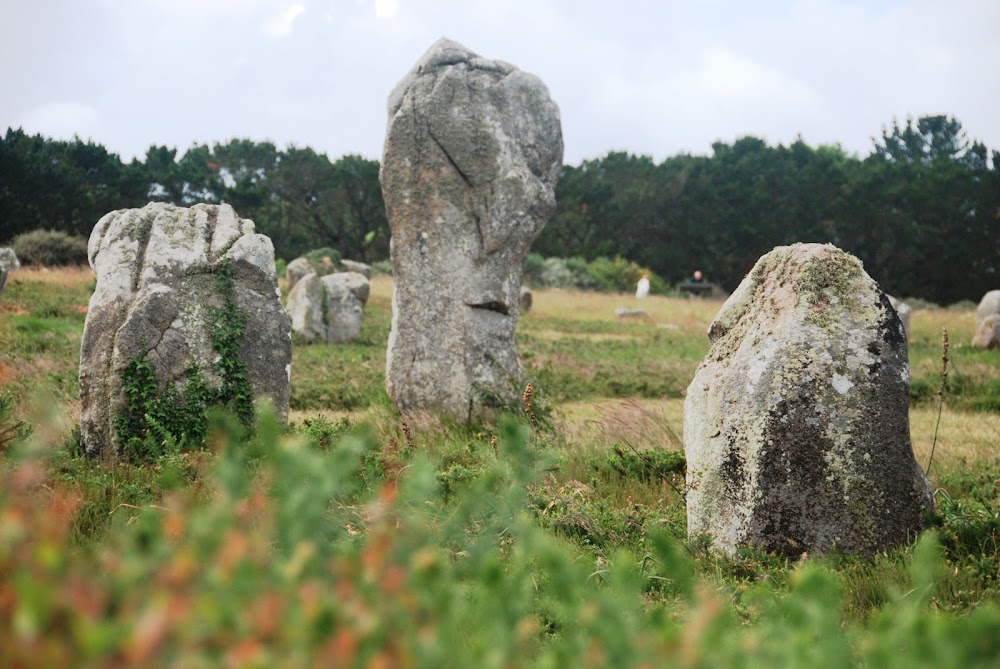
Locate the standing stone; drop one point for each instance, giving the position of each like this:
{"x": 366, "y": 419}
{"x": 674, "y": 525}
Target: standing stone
{"x": 796, "y": 426}
{"x": 988, "y": 321}
{"x": 8, "y": 263}
{"x": 328, "y": 308}
{"x": 359, "y": 267}
{"x": 8, "y": 259}
{"x": 296, "y": 270}
{"x": 161, "y": 288}
{"x": 472, "y": 153}
{"x": 527, "y": 299}
{"x": 903, "y": 310}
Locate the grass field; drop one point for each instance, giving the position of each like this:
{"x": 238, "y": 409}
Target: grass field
{"x": 601, "y": 496}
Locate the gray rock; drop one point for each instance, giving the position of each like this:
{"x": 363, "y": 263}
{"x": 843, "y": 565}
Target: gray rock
{"x": 297, "y": 269}
{"x": 157, "y": 295}
{"x": 472, "y": 153}
{"x": 988, "y": 321}
{"x": 796, "y": 426}
{"x": 527, "y": 298}
{"x": 328, "y": 308}
{"x": 626, "y": 313}
{"x": 8, "y": 259}
{"x": 3, "y": 279}
{"x": 359, "y": 267}
{"x": 904, "y": 311}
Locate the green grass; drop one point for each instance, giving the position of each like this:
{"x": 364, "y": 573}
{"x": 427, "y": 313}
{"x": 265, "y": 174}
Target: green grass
{"x": 566, "y": 542}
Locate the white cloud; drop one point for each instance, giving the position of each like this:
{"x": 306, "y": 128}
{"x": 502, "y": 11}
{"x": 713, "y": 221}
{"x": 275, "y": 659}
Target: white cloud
{"x": 386, "y": 9}
{"x": 281, "y": 26}
{"x": 63, "y": 119}
{"x": 729, "y": 77}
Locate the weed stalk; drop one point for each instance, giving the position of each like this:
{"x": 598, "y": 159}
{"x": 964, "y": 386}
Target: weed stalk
{"x": 940, "y": 394}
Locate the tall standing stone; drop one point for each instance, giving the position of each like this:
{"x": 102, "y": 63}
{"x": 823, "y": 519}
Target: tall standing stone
{"x": 796, "y": 425}
{"x": 472, "y": 153}
{"x": 171, "y": 282}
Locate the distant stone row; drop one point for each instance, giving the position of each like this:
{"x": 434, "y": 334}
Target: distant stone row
{"x": 796, "y": 423}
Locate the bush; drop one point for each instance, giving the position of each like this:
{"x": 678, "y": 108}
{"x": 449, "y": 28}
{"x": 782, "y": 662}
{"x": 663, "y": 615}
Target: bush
{"x": 382, "y": 267}
{"x": 620, "y": 275}
{"x": 49, "y": 248}
{"x": 316, "y": 256}
{"x": 617, "y": 275}
{"x": 532, "y": 266}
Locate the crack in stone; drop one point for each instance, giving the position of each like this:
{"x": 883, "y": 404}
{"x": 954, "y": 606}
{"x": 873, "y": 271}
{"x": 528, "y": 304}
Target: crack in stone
{"x": 146, "y": 219}
{"x": 492, "y": 305}
{"x": 451, "y": 160}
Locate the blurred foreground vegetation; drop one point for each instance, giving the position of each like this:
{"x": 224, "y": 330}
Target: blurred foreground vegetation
{"x": 354, "y": 537}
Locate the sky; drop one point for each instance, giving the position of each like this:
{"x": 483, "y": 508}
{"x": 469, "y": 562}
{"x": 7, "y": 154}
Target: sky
{"x": 653, "y": 77}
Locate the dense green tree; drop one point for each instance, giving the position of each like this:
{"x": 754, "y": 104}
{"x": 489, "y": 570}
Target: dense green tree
{"x": 922, "y": 211}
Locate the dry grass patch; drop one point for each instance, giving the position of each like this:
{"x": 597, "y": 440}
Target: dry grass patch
{"x": 552, "y": 335}
{"x": 687, "y": 314}
{"x": 656, "y": 423}
{"x": 926, "y": 325}
{"x": 59, "y": 276}
{"x": 963, "y": 437}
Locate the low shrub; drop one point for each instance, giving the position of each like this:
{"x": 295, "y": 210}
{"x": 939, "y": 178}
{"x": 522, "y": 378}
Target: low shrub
{"x": 12, "y": 429}
{"x": 288, "y": 559}
{"x": 318, "y": 260}
{"x": 383, "y": 267}
{"x": 50, "y": 248}
{"x": 603, "y": 274}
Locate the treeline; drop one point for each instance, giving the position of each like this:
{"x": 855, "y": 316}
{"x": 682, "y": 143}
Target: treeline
{"x": 922, "y": 210}
{"x": 299, "y": 198}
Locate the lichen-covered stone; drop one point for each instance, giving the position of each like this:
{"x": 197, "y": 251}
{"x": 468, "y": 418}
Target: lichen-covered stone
{"x": 472, "y": 153}
{"x": 8, "y": 259}
{"x": 328, "y": 308}
{"x": 796, "y": 426}
{"x": 8, "y": 263}
{"x": 988, "y": 321}
{"x": 158, "y": 294}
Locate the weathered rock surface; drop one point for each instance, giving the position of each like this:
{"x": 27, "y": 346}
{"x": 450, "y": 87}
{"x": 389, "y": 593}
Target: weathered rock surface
{"x": 796, "y": 426}
{"x": 8, "y": 263}
{"x": 904, "y": 311}
{"x": 472, "y": 153}
{"x": 158, "y": 295}
{"x": 296, "y": 270}
{"x": 328, "y": 308}
{"x": 988, "y": 321}
{"x": 359, "y": 267}
{"x": 8, "y": 259}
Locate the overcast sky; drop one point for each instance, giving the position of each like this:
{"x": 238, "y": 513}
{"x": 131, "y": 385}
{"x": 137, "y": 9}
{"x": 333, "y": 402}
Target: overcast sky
{"x": 650, "y": 77}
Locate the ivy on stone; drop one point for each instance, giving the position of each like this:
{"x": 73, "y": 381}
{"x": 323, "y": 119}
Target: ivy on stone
{"x": 156, "y": 422}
